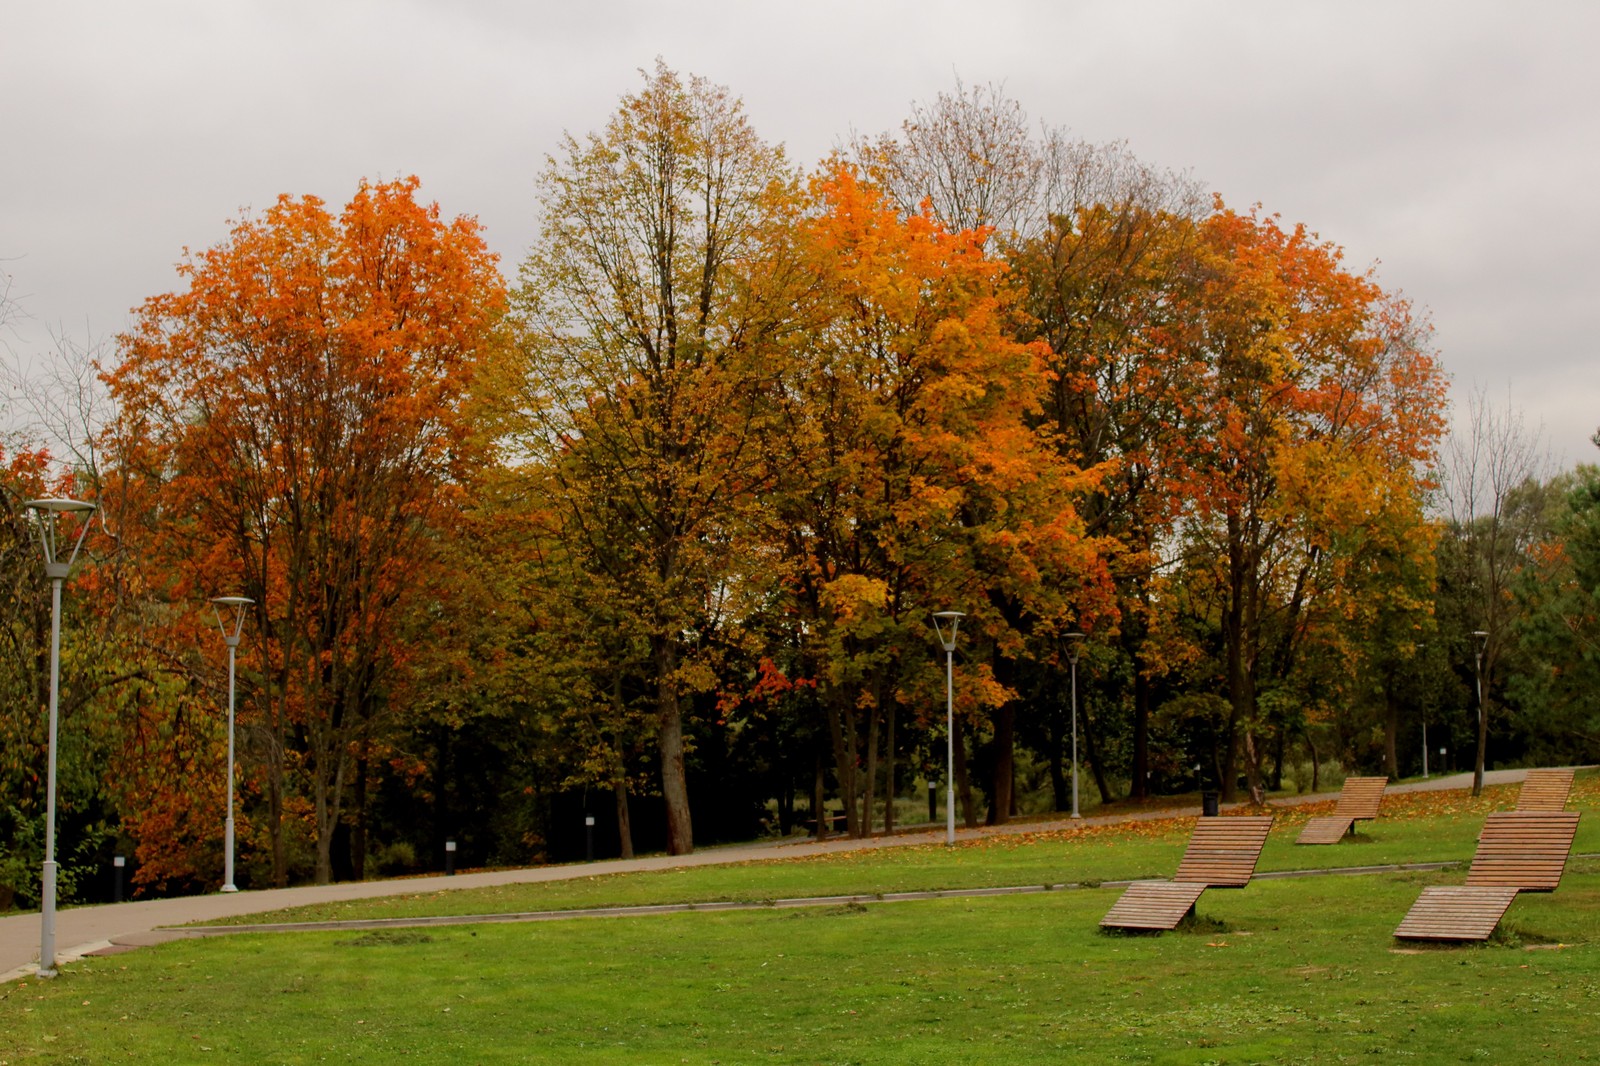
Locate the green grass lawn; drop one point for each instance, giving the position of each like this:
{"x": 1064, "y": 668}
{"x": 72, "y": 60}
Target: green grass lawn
{"x": 1416, "y": 827}
{"x": 1278, "y": 972}
{"x": 1300, "y": 970}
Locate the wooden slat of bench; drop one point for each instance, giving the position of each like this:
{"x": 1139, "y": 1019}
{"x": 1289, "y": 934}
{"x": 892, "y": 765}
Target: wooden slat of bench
{"x": 1545, "y": 790}
{"x": 1153, "y": 905}
{"x": 1328, "y": 829}
{"x": 1224, "y": 851}
{"x": 1361, "y": 797}
{"x": 1455, "y": 912}
{"x": 1523, "y": 849}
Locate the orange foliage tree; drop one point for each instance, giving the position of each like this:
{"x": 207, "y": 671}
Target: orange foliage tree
{"x": 1319, "y": 400}
{"x": 291, "y": 430}
{"x": 1100, "y": 284}
{"x": 911, "y": 480}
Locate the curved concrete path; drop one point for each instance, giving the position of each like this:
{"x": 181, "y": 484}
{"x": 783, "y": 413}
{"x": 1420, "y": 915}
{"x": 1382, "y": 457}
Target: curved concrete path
{"x": 81, "y": 930}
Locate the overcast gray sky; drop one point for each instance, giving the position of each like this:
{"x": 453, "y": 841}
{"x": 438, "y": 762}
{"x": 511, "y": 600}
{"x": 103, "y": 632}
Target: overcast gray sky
{"x": 1456, "y": 144}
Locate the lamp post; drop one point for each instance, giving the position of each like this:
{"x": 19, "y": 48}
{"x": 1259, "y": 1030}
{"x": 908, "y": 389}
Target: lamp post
{"x": 238, "y": 603}
{"x": 1481, "y": 639}
{"x": 949, "y": 644}
{"x": 1074, "y": 647}
{"x": 46, "y": 513}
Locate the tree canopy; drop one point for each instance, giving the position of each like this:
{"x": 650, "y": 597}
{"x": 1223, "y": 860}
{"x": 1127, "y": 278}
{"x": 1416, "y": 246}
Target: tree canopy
{"x": 645, "y": 543}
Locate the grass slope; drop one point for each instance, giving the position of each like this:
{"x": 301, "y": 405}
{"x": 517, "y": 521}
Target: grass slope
{"x": 1287, "y": 971}
{"x": 1415, "y": 827}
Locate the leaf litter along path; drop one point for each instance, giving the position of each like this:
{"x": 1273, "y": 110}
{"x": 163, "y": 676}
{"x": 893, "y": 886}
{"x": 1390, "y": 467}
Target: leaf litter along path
{"x": 82, "y": 931}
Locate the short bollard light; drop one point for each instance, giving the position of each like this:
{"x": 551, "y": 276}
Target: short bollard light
{"x": 118, "y": 863}
{"x": 449, "y": 858}
{"x": 588, "y": 835}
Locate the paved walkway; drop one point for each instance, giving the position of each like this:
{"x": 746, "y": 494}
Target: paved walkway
{"x": 81, "y": 930}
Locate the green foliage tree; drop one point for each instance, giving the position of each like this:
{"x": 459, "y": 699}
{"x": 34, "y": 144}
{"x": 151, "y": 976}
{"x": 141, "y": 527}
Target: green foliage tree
{"x": 1558, "y": 630}
{"x": 652, "y": 303}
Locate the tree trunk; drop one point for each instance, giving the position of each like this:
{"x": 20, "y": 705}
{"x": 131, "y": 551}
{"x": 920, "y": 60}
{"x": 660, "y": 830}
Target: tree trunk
{"x": 280, "y": 862}
{"x": 277, "y": 745}
{"x": 358, "y": 824}
{"x": 888, "y": 772}
{"x": 1139, "y": 786}
{"x": 1005, "y": 718}
{"x": 674, "y": 783}
{"x": 320, "y": 806}
{"x": 1058, "y": 773}
{"x": 868, "y": 794}
{"x": 1483, "y": 747}
{"x": 1239, "y": 631}
{"x": 969, "y": 817}
{"x": 619, "y": 788}
{"x": 1233, "y": 640}
{"x": 785, "y": 808}
{"x": 1092, "y": 756}
{"x": 1253, "y": 768}
{"x": 842, "y": 732}
{"x": 819, "y": 801}
{"x": 1391, "y": 730}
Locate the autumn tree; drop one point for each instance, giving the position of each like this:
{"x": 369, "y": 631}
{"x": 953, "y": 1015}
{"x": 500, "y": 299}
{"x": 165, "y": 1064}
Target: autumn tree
{"x": 291, "y": 431}
{"x": 1102, "y": 281}
{"x": 650, "y": 303}
{"x": 1312, "y": 373}
{"x": 972, "y": 159}
{"x": 913, "y": 481}
{"x": 971, "y": 156}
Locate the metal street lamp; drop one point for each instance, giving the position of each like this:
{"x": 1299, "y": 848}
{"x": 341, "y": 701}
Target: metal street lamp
{"x": 238, "y": 603}
{"x": 1074, "y": 648}
{"x": 46, "y": 512}
{"x": 949, "y": 645}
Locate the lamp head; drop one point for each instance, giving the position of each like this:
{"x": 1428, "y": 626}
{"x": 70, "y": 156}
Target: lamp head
{"x": 46, "y": 513}
{"x": 238, "y": 603}
{"x": 1074, "y": 641}
{"x": 953, "y": 618}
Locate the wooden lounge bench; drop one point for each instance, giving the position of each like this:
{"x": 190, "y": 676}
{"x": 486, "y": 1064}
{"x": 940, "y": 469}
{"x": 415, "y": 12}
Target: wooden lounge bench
{"x": 1518, "y": 851}
{"x": 1360, "y": 798}
{"x": 836, "y": 823}
{"x": 1545, "y": 790}
{"x": 1222, "y": 853}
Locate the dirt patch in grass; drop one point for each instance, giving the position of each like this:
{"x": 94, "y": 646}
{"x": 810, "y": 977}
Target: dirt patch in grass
{"x": 378, "y": 938}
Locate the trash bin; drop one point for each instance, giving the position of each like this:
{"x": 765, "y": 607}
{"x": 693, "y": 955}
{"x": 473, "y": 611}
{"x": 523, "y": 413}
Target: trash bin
{"x": 1208, "y": 803}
